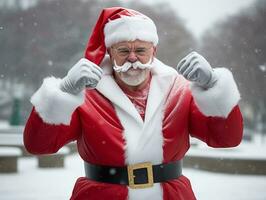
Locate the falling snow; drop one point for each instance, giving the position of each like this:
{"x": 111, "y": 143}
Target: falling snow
{"x": 112, "y": 171}
{"x": 50, "y": 62}
{"x": 262, "y": 68}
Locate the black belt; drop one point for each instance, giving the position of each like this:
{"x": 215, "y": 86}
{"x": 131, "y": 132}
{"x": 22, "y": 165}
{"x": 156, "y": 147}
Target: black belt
{"x": 140, "y": 175}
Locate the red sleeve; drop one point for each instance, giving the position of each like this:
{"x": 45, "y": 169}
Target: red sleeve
{"x": 216, "y": 131}
{"x": 44, "y": 138}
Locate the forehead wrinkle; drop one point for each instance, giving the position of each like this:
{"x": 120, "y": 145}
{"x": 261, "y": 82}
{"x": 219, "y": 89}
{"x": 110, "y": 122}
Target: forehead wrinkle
{"x": 133, "y": 45}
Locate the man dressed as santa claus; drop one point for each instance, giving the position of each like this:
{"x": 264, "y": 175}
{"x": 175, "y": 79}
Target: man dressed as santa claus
{"x": 131, "y": 114}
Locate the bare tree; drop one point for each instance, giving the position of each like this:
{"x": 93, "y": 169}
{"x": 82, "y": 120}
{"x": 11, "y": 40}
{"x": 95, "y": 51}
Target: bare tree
{"x": 239, "y": 42}
{"x": 48, "y": 38}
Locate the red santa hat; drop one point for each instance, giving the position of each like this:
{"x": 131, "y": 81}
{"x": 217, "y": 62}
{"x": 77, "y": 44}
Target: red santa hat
{"x": 115, "y": 25}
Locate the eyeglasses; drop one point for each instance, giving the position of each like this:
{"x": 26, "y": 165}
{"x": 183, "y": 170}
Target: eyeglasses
{"x": 125, "y": 51}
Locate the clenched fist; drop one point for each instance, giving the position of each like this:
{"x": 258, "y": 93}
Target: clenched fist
{"x": 83, "y": 74}
{"x": 196, "y": 68}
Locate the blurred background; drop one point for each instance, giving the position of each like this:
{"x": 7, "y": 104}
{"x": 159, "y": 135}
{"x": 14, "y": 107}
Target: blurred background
{"x": 45, "y": 38}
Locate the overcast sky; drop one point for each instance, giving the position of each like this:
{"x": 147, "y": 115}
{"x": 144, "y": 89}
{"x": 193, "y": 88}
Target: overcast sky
{"x": 201, "y": 14}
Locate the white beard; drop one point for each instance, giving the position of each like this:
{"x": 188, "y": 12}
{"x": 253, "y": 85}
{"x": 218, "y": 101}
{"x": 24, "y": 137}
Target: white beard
{"x": 134, "y": 77}
{"x": 133, "y": 74}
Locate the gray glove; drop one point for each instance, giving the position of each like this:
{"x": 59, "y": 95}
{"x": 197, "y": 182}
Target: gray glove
{"x": 196, "y": 68}
{"x": 83, "y": 74}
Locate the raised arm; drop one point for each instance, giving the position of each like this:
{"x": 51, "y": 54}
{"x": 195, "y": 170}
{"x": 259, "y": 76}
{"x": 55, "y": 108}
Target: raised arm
{"x": 54, "y": 120}
{"x": 215, "y": 117}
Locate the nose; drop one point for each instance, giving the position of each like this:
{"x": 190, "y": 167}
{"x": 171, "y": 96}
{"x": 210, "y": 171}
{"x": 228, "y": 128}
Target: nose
{"x": 132, "y": 57}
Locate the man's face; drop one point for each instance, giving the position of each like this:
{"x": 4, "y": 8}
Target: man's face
{"x": 127, "y": 53}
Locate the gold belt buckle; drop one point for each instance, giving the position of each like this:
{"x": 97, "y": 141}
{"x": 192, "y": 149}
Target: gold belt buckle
{"x": 131, "y": 176}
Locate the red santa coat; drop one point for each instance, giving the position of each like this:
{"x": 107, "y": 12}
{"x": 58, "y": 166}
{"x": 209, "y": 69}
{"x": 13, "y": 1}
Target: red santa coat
{"x": 110, "y": 131}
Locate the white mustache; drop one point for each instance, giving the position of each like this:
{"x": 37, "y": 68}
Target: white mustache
{"x": 127, "y": 65}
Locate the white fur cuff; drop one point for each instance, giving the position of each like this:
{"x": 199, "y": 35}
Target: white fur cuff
{"x": 219, "y": 100}
{"x": 53, "y": 105}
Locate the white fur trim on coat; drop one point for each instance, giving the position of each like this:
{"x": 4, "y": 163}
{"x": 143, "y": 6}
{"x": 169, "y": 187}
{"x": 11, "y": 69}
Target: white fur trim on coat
{"x": 219, "y": 100}
{"x": 53, "y": 105}
{"x": 144, "y": 139}
{"x": 129, "y": 29}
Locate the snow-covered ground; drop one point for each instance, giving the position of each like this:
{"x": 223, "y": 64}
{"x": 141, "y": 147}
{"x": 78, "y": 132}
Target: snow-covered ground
{"x": 4, "y": 124}
{"x": 32, "y": 183}
{"x": 254, "y": 150}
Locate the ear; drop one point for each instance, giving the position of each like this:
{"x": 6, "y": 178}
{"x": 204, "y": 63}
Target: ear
{"x": 154, "y": 51}
{"x": 109, "y": 51}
